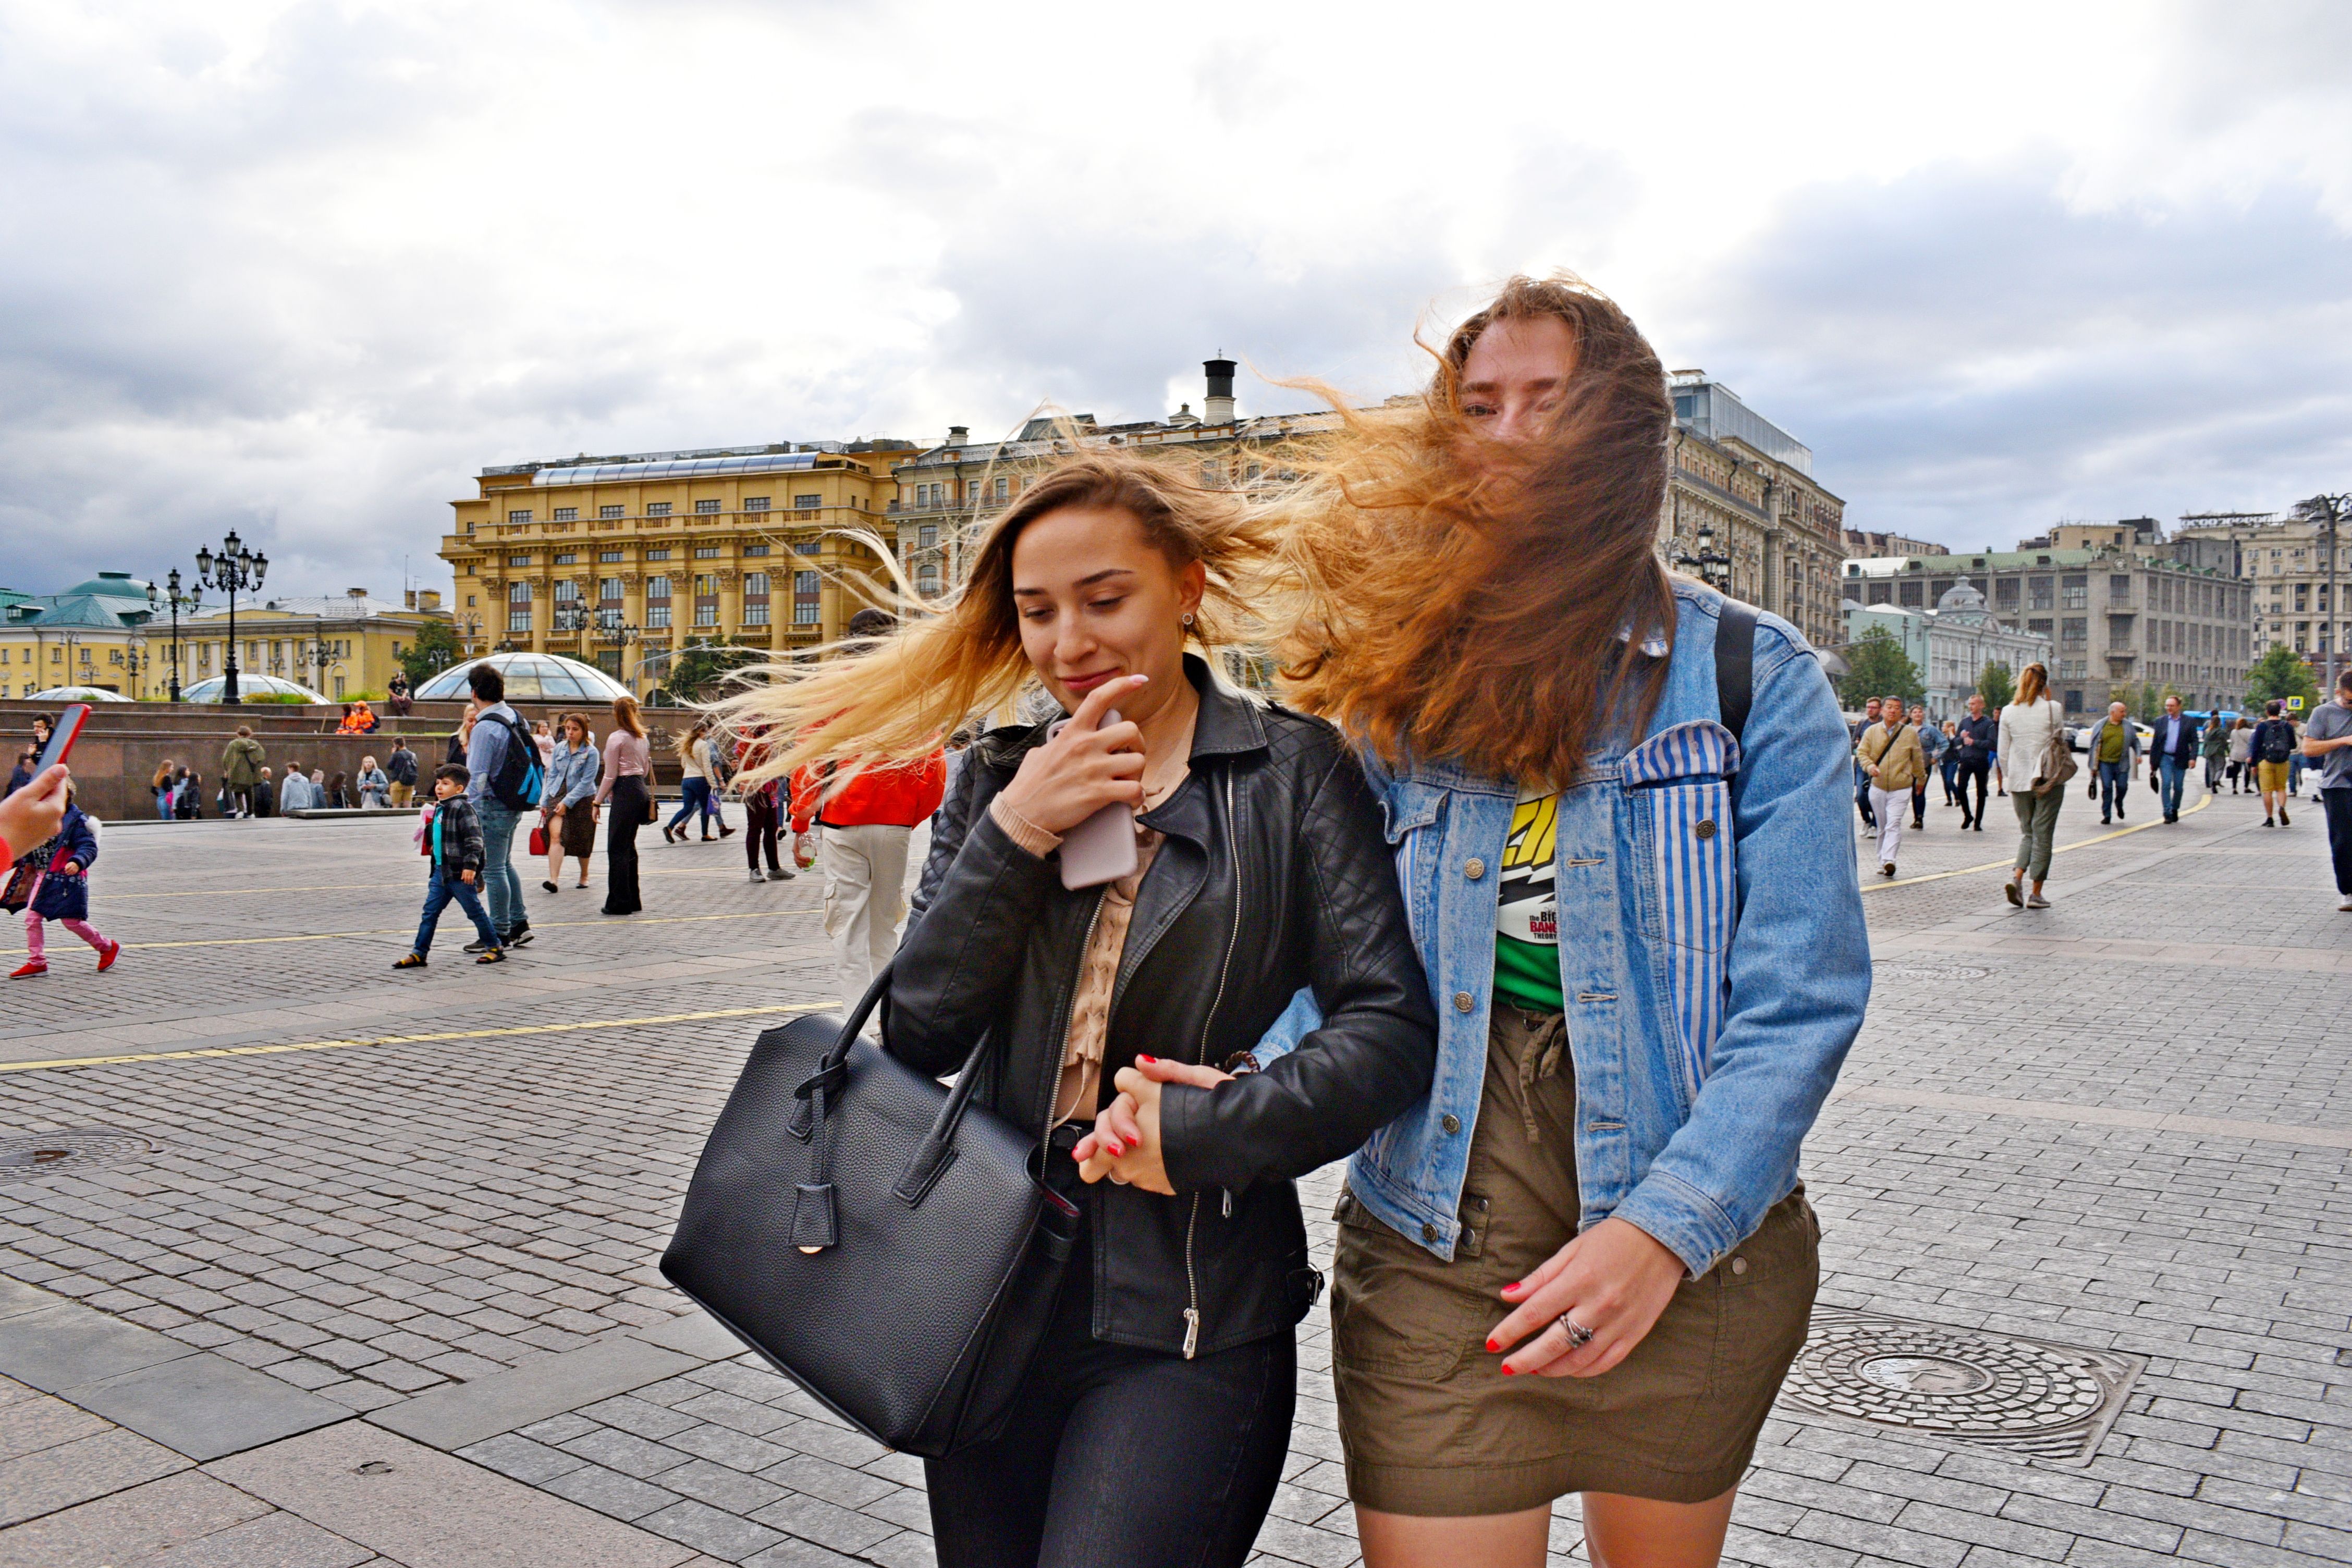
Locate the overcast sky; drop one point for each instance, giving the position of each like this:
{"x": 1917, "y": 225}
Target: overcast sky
{"x": 301, "y": 269}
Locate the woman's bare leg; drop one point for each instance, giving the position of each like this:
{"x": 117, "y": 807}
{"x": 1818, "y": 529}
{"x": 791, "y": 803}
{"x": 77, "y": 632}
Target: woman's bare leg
{"x": 583, "y": 870}
{"x": 1618, "y": 1533}
{"x": 555, "y": 850}
{"x": 1638, "y": 1532}
{"x": 1491, "y": 1539}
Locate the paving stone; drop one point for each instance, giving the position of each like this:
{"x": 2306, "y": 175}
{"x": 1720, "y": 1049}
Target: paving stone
{"x": 50, "y": 1479}
{"x": 275, "y": 1541}
{"x": 724, "y": 1535}
{"x": 206, "y": 1406}
{"x": 129, "y": 1525}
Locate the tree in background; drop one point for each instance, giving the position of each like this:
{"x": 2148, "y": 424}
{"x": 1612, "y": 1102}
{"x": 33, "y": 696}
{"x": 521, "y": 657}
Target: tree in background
{"x": 1877, "y": 666}
{"x": 2282, "y": 672}
{"x": 695, "y": 674}
{"x": 435, "y": 650}
{"x": 1996, "y": 684}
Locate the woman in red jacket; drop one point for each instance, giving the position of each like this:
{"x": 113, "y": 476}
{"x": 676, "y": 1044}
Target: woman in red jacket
{"x": 866, "y": 822}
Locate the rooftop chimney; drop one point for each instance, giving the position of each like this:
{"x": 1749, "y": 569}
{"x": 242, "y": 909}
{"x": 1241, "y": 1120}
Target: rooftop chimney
{"x": 957, "y": 433}
{"x": 1218, "y": 407}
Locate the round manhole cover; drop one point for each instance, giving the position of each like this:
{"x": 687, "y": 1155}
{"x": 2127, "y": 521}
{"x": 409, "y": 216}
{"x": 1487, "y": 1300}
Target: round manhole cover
{"x": 1934, "y": 1379}
{"x": 1931, "y": 972}
{"x": 28, "y": 1155}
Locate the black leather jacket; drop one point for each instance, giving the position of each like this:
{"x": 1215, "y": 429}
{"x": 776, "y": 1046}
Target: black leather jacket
{"x": 1274, "y": 876}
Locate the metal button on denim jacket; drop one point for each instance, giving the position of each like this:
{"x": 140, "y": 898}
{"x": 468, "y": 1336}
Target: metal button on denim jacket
{"x": 1714, "y": 962}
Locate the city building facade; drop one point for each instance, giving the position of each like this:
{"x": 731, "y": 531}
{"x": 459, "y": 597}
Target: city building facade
{"x": 342, "y": 646}
{"x": 2283, "y": 561}
{"x": 1864, "y": 541}
{"x": 2120, "y": 618}
{"x": 96, "y": 633}
{"x": 623, "y": 561}
{"x": 1739, "y": 486}
{"x": 1950, "y": 644}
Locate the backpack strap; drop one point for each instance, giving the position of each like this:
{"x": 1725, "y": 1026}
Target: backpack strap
{"x": 1735, "y": 665}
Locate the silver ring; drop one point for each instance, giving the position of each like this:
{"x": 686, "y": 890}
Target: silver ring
{"x": 1579, "y": 1336}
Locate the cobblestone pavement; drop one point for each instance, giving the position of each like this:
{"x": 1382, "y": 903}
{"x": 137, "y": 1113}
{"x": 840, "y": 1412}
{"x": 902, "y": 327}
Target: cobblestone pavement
{"x": 305, "y": 1262}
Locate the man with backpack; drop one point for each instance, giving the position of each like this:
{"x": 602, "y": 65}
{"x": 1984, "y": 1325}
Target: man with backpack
{"x": 2274, "y": 744}
{"x": 505, "y": 782}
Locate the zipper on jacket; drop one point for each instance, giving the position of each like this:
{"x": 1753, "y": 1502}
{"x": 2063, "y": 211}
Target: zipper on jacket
{"x": 1200, "y": 1056}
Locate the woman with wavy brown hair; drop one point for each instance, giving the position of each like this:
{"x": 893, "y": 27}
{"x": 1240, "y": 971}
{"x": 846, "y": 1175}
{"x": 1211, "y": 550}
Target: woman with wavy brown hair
{"x": 1583, "y": 1262}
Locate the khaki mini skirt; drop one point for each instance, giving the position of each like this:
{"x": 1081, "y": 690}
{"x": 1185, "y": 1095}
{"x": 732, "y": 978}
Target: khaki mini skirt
{"x": 1431, "y": 1426}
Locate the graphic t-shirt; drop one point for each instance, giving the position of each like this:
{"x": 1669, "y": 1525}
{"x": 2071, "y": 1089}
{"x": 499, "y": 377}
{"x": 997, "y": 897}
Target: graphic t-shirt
{"x": 1527, "y": 919}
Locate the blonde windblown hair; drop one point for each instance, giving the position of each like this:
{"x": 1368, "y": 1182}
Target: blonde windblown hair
{"x": 893, "y": 698}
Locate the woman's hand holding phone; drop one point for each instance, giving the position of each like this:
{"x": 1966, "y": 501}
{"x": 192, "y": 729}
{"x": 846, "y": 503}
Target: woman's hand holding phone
{"x": 31, "y": 816}
{"x": 1084, "y": 767}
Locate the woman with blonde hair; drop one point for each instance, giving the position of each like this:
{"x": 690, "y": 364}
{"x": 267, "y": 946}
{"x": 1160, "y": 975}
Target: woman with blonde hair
{"x": 2033, "y": 728}
{"x": 1156, "y": 876}
{"x": 1617, "y": 803}
{"x": 628, "y": 786}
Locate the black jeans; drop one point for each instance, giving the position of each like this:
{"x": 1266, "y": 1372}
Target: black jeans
{"x": 2337, "y": 803}
{"x": 1119, "y": 1457}
{"x": 760, "y": 825}
{"x": 630, "y": 804}
{"x": 1981, "y": 772}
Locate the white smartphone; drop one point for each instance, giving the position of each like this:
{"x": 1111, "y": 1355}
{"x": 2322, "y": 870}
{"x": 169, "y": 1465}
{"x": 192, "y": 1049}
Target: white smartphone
{"x": 1101, "y": 848}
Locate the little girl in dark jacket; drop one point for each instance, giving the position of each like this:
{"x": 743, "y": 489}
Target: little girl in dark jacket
{"x": 59, "y": 889}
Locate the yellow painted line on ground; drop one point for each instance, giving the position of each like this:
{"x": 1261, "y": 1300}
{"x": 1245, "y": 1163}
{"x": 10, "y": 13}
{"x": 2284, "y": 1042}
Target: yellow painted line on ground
{"x": 210, "y": 1052}
{"x": 2011, "y": 864}
{"x": 113, "y": 898}
{"x": 410, "y": 931}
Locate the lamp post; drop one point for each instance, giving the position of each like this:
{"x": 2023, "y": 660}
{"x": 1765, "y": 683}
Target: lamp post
{"x": 2330, "y": 512}
{"x": 176, "y": 601}
{"x": 234, "y": 568}
{"x": 611, "y": 628}
{"x": 1712, "y": 567}
{"x": 468, "y": 627}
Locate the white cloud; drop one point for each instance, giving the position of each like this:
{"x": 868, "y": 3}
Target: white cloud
{"x": 303, "y": 267}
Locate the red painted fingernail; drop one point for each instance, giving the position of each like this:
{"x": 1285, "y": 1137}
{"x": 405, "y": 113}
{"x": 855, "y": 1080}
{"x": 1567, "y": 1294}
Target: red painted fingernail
{"x": 1146, "y": 1058}
{"x": 1507, "y": 1372}
{"x": 1493, "y": 1346}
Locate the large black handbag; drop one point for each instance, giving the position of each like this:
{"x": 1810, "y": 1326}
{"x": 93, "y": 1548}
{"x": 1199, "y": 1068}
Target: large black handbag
{"x": 885, "y": 1243}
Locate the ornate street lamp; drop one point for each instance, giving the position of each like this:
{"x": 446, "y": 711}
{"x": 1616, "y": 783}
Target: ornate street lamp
{"x": 234, "y": 568}
{"x": 176, "y": 601}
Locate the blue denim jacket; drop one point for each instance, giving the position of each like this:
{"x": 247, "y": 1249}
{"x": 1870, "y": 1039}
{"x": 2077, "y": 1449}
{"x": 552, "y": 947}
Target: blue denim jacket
{"x": 1714, "y": 979}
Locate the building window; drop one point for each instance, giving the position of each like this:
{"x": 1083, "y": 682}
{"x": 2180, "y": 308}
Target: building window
{"x": 2039, "y": 592}
{"x": 755, "y": 503}
{"x": 804, "y": 599}
{"x": 706, "y": 552}
{"x": 566, "y": 514}
{"x": 656, "y": 602}
{"x": 661, "y": 555}
{"x": 568, "y": 558}
{"x": 2119, "y": 589}
{"x": 807, "y": 504}
{"x": 706, "y": 505}
{"x": 608, "y": 590}
{"x": 804, "y": 546}
{"x": 755, "y": 584}
{"x": 755, "y": 549}
{"x": 567, "y": 592}
{"x": 2074, "y": 590}
{"x": 657, "y": 587}
{"x": 1912, "y": 595}
{"x": 927, "y": 537}
{"x": 518, "y": 593}
{"x": 517, "y": 620}
{"x": 706, "y": 615}
{"x": 519, "y": 517}
{"x": 608, "y": 512}
{"x": 2005, "y": 593}
{"x": 517, "y": 560}
{"x": 1003, "y": 488}
{"x": 2039, "y": 625}
{"x": 657, "y": 508}
{"x": 608, "y": 556}
{"x": 927, "y": 579}
{"x": 2075, "y": 631}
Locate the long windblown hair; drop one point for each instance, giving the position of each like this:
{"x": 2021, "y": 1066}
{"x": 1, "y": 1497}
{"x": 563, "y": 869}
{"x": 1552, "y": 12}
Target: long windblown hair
{"x": 1501, "y": 605}
{"x": 893, "y": 698}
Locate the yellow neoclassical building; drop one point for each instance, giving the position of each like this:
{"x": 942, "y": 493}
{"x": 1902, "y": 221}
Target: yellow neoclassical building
{"x": 340, "y": 646}
{"x": 621, "y": 562}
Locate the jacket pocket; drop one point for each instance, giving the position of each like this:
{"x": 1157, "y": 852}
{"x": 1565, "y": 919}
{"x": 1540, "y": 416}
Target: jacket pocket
{"x": 1408, "y": 816}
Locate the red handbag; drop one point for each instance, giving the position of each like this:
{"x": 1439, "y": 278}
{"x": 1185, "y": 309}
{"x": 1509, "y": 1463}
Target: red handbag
{"x": 539, "y": 839}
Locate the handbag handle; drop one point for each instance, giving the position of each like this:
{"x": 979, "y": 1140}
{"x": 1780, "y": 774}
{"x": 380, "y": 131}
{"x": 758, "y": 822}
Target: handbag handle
{"x": 937, "y": 1150}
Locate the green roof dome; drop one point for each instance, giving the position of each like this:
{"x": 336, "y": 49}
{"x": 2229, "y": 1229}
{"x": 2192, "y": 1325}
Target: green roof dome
{"x": 110, "y": 585}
